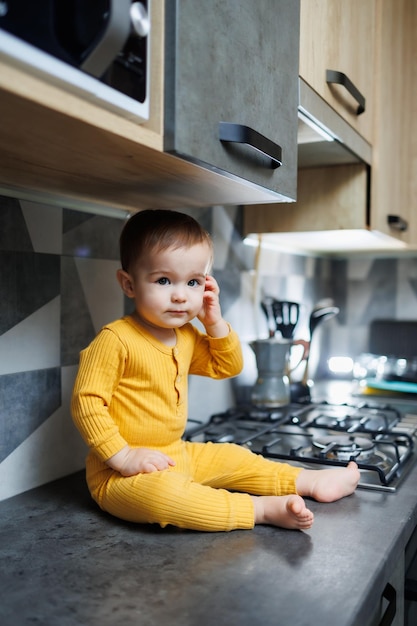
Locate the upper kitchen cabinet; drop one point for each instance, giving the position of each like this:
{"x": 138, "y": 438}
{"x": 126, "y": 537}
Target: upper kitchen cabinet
{"x": 337, "y": 36}
{"x": 333, "y": 181}
{"x": 394, "y": 168}
{"x": 222, "y": 127}
{"x": 328, "y": 198}
{"x": 231, "y": 88}
{"x": 345, "y": 203}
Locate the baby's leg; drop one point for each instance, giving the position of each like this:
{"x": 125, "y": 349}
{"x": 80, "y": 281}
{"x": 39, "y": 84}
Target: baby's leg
{"x": 229, "y": 466}
{"x": 284, "y": 511}
{"x": 170, "y": 497}
{"x": 328, "y": 485}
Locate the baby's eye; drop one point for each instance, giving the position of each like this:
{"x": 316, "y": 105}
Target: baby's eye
{"x": 163, "y": 280}
{"x": 194, "y": 282}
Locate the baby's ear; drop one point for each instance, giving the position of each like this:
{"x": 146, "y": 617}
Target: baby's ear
{"x": 125, "y": 283}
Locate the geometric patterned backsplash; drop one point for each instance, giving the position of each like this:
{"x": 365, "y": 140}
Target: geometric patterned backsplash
{"x": 58, "y": 288}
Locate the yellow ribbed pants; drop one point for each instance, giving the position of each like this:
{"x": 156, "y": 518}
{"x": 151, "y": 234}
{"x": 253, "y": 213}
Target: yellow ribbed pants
{"x": 195, "y": 493}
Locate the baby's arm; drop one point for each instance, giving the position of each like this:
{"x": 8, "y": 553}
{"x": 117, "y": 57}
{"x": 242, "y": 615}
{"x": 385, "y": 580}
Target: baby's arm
{"x": 131, "y": 461}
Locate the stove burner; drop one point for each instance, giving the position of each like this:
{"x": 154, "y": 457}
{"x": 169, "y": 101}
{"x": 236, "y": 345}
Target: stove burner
{"x": 348, "y": 418}
{"x": 343, "y": 447}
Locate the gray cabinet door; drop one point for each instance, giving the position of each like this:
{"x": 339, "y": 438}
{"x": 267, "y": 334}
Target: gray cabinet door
{"x": 234, "y": 61}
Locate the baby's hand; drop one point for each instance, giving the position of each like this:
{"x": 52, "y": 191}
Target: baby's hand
{"x": 131, "y": 461}
{"x": 210, "y": 314}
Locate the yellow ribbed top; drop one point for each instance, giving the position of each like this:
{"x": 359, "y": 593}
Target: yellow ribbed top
{"x": 132, "y": 389}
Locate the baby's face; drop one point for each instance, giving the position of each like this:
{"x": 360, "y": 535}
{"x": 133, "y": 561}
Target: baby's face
{"x": 169, "y": 285}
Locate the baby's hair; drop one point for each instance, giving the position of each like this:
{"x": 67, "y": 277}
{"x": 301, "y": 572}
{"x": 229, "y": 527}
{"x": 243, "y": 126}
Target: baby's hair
{"x": 159, "y": 229}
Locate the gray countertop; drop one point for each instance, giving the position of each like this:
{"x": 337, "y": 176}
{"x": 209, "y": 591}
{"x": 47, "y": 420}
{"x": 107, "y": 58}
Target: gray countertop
{"x": 65, "y": 562}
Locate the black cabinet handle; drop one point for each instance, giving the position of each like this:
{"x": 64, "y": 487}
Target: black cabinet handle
{"x": 237, "y": 133}
{"x": 391, "y": 595}
{"x": 333, "y": 76}
{"x": 410, "y": 590}
{"x": 397, "y": 222}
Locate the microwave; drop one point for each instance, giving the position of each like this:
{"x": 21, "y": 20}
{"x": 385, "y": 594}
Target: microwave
{"x": 99, "y": 50}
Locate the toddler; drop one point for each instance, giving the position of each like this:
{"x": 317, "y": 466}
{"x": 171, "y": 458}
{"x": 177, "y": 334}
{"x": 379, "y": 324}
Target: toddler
{"x": 130, "y": 399}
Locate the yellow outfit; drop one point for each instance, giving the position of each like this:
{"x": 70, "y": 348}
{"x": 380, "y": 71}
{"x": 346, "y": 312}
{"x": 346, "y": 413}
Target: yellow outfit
{"x": 132, "y": 389}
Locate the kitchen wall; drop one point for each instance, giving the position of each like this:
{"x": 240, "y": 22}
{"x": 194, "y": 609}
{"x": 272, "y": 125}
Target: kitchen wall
{"x": 58, "y": 287}
{"x": 364, "y": 289}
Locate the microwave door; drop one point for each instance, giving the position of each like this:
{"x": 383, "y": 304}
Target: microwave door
{"x": 92, "y": 33}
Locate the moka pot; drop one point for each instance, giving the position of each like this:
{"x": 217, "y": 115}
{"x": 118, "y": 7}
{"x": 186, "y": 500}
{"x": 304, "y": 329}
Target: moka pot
{"x": 272, "y": 387}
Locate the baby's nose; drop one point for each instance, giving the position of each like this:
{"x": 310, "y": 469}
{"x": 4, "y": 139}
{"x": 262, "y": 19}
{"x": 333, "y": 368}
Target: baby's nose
{"x": 178, "y": 294}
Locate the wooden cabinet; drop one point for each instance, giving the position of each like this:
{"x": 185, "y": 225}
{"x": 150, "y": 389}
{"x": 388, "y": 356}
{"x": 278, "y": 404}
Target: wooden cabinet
{"x": 352, "y": 196}
{"x": 329, "y": 198}
{"x": 340, "y": 36}
{"x": 334, "y": 35}
{"x": 394, "y": 168}
{"x": 210, "y": 63}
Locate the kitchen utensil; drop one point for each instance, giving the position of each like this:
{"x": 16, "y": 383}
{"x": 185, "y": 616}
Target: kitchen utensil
{"x": 272, "y": 358}
{"x": 286, "y": 316}
{"x": 319, "y": 315}
{"x": 300, "y": 391}
{"x": 266, "y": 306}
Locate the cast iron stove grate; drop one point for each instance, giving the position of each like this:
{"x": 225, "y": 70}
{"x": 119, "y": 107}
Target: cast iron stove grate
{"x": 377, "y": 436}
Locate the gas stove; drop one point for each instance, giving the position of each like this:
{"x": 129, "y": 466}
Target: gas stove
{"x": 380, "y": 437}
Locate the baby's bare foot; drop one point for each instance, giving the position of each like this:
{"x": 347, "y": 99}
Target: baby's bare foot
{"x": 284, "y": 511}
{"x": 328, "y": 485}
